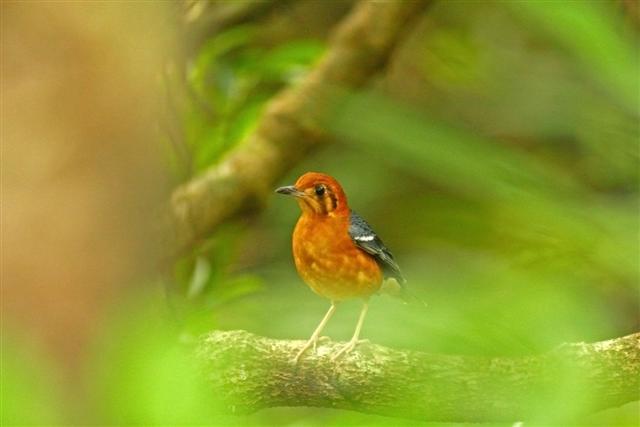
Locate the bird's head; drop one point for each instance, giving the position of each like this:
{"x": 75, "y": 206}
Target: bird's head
{"x": 317, "y": 194}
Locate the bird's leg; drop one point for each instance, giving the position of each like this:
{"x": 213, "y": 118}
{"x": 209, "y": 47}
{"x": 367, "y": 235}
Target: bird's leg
{"x": 314, "y": 336}
{"x": 354, "y": 340}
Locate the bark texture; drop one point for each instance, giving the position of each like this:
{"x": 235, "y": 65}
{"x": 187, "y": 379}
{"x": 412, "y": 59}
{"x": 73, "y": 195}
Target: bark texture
{"x": 251, "y": 372}
{"x": 360, "y": 46}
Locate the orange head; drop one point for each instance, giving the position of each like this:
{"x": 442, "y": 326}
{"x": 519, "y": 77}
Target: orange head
{"x": 318, "y": 194}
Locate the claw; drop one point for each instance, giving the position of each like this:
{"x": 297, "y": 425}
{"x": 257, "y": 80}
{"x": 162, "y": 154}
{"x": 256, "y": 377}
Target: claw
{"x": 347, "y": 348}
{"x": 313, "y": 341}
{"x": 354, "y": 340}
{"x": 310, "y": 343}
{"x": 300, "y": 353}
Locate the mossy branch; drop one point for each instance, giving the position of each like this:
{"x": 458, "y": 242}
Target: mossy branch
{"x": 250, "y": 372}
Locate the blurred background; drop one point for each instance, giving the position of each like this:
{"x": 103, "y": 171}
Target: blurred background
{"x": 497, "y": 155}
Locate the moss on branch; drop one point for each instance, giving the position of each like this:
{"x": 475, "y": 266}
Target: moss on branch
{"x": 252, "y": 372}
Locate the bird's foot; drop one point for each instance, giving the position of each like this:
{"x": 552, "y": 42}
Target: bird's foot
{"x": 313, "y": 342}
{"x": 347, "y": 348}
{"x": 319, "y": 340}
{"x": 300, "y": 353}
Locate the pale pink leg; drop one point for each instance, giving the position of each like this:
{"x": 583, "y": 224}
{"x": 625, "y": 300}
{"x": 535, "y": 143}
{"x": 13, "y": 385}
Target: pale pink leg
{"x": 316, "y": 334}
{"x": 354, "y": 340}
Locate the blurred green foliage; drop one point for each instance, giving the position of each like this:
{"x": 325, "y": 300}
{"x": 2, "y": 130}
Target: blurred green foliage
{"x": 30, "y": 384}
{"x": 228, "y": 83}
{"x": 204, "y": 282}
{"x": 144, "y": 373}
{"x": 498, "y": 158}
{"x": 590, "y": 33}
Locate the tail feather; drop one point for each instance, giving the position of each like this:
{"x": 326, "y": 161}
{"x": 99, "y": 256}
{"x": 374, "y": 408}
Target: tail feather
{"x": 391, "y": 286}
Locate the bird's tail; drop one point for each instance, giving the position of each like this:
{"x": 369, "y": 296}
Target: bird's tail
{"x": 391, "y": 286}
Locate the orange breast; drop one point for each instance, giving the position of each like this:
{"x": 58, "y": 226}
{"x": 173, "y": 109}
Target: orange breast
{"x": 330, "y": 263}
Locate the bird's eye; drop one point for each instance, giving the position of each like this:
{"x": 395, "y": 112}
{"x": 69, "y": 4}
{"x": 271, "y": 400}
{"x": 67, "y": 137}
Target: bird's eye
{"x": 319, "y": 190}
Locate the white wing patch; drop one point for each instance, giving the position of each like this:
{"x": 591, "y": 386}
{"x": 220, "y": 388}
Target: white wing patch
{"x": 365, "y": 238}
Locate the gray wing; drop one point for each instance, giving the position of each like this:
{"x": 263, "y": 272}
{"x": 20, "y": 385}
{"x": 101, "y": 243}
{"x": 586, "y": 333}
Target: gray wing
{"x": 366, "y": 239}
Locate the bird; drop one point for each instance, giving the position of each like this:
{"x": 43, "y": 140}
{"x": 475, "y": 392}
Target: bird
{"x": 336, "y": 252}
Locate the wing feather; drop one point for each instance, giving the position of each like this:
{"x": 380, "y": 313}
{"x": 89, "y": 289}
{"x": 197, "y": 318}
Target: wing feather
{"x": 366, "y": 239}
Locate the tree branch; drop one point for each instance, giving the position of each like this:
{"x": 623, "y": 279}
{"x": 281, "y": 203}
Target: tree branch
{"x": 252, "y": 372}
{"x": 360, "y": 46}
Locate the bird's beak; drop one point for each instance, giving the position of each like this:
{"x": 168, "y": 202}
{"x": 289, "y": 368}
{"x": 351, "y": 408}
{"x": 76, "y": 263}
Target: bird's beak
{"x": 290, "y": 190}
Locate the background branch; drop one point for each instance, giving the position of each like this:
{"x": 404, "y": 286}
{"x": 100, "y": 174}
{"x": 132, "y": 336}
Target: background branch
{"x": 288, "y": 128}
{"x": 252, "y": 372}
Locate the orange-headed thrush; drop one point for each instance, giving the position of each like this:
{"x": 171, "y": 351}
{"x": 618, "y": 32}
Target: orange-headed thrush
{"x": 335, "y": 251}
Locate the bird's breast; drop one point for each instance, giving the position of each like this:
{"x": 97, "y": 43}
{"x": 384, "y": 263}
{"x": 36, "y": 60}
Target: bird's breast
{"x": 330, "y": 263}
